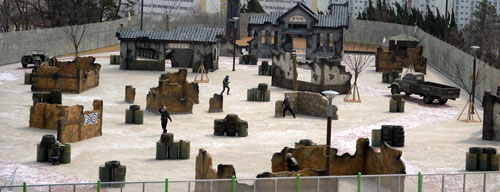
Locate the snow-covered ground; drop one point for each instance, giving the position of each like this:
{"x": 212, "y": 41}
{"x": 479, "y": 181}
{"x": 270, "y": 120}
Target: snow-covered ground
{"x": 435, "y": 141}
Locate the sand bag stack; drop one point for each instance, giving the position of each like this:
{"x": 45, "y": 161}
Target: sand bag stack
{"x": 482, "y": 159}
{"x": 231, "y": 125}
{"x": 134, "y": 115}
{"x": 167, "y": 148}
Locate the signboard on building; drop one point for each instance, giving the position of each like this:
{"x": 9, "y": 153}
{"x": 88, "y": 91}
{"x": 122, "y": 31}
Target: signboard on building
{"x": 297, "y": 19}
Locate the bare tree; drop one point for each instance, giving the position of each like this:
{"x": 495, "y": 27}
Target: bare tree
{"x": 358, "y": 60}
{"x": 466, "y": 81}
{"x": 76, "y": 33}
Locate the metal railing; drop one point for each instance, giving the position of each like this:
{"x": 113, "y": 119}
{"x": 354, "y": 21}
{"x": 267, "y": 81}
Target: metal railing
{"x": 467, "y": 181}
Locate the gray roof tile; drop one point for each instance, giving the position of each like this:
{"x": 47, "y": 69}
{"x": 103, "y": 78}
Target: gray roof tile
{"x": 183, "y": 34}
{"x": 338, "y": 17}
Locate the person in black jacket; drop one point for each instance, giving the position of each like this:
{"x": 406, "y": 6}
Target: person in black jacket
{"x": 165, "y": 116}
{"x": 225, "y": 84}
{"x": 56, "y": 153}
{"x": 287, "y": 107}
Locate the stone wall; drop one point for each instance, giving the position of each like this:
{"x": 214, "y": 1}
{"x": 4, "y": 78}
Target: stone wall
{"x": 326, "y": 74}
{"x": 174, "y": 92}
{"x": 306, "y": 103}
{"x": 54, "y": 41}
{"x": 491, "y": 117}
{"x": 70, "y": 77}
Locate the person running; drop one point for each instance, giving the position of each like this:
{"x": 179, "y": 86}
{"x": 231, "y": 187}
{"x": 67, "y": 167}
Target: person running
{"x": 165, "y": 116}
{"x": 287, "y": 107}
{"x": 225, "y": 84}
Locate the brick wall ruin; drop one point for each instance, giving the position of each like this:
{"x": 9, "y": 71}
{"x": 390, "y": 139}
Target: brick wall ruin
{"x": 491, "y": 118}
{"x": 71, "y": 122}
{"x": 325, "y": 74}
{"x": 174, "y": 92}
{"x": 388, "y": 61}
{"x": 306, "y": 103}
{"x": 70, "y": 77}
{"x": 311, "y": 160}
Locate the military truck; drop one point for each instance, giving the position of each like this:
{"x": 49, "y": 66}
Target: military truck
{"x": 37, "y": 57}
{"x": 413, "y": 83}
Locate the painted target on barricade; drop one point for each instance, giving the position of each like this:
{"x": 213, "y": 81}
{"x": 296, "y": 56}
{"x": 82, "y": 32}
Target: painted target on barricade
{"x": 89, "y": 119}
{"x": 94, "y": 118}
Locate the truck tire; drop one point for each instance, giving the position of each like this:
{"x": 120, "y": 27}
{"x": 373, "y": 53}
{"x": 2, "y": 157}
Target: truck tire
{"x": 407, "y": 94}
{"x": 24, "y": 65}
{"x": 428, "y": 99}
{"x": 442, "y": 101}
{"x": 395, "y": 90}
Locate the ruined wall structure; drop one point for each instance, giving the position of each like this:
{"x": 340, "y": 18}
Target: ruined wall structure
{"x": 70, "y": 77}
{"x": 306, "y": 103}
{"x": 326, "y": 74}
{"x": 311, "y": 160}
{"x": 71, "y": 122}
{"x": 174, "y": 92}
{"x": 491, "y": 116}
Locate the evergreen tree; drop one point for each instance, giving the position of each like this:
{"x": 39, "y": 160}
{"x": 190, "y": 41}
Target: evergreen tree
{"x": 254, "y": 7}
{"x": 243, "y": 8}
{"x": 483, "y": 31}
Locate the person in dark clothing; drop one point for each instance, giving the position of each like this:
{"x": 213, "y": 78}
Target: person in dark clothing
{"x": 56, "y": 153}
{"x": 291, "y": 163}
{"x": 165, "y": 116}
{"x": 287, "y": 107}
{"x": 225, "y": 84}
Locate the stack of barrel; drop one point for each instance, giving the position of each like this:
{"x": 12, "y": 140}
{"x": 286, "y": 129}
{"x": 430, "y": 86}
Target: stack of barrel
{"x": 27, "y": 78}
{"x": 52, "y": 97}
{"x": 167, "y": 148}
{"x": 388, "y": 77}
{"x": 393, "y": 135}
{"x": 44, "y": 150}
{"x": 232, "y": 125}
{"x": 112, "y": 171}
{"x": 134, "y": 115}
{"x": 261, "y": 93}
{"x": 304, "y": 142}
{"x": 265, "y": 69}
{"x": 482, "y": 159}
{"x": 397, "y": 104}
{"x": 114, "y": 59}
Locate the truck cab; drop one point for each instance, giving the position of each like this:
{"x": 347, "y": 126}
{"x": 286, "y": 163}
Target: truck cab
{"x": 402, "y": 84}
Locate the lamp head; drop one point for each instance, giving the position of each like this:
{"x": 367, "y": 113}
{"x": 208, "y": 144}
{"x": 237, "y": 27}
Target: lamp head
{"x": 474, "y": 47}
{"x": 330, "y": 94}
{"x": 236, "y": 18}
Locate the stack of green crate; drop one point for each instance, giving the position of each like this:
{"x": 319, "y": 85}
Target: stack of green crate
{"x": 134, "y": 115}
{"x": 482, "y": 159}
{"x": 112, "y": 171}
{"x": 167, "y": 148}
{"x": 265, "y": 69}
{"x": 397, "y": 104}
{"x": 259, "y": 94}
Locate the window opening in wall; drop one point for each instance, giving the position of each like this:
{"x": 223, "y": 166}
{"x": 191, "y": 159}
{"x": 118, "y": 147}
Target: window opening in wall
{"x": 263, "y": 37}
{"x": 273, "y": 37}
{"x": 330, "y": 39}
{"x": 321, "y": 39}
{"x": 297, "y": 26}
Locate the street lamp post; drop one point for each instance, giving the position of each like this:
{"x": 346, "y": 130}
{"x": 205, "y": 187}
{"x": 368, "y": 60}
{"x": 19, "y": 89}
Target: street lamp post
{"x": 473, "y": 91}
{"x": 235, "y": 26}
{"x": 142, "y": 12}
{"x": 329, "y": 95}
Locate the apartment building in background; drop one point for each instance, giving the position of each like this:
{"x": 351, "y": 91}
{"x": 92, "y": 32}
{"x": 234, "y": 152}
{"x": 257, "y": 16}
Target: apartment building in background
{"x": 464, "y": 10}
